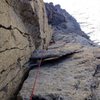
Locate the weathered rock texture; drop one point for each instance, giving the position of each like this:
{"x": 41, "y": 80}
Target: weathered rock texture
{"x": 23, "y": 28}
{"x": 65, "y": 27}
{"x": 75, "y": 76}
{"x": 71, "y": 69}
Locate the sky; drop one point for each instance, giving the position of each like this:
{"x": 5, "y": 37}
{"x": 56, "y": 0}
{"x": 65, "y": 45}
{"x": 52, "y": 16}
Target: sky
{"x": 87, "y": 12}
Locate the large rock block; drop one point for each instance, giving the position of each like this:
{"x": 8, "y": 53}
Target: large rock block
{"x": 23, "y": 28}
{"x": 75, "y": 76}
{"x": 61, "y": 20}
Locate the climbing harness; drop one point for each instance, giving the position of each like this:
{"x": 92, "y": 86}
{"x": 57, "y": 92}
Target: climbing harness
{"x": 36, "y": 77}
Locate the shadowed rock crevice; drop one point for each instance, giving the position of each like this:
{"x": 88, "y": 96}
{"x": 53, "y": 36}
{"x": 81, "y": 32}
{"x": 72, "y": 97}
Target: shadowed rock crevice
{"x": 48, "y": 97}
{"x": 8, "y": 28}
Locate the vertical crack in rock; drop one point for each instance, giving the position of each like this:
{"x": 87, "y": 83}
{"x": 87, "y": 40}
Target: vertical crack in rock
{"x": 95, "y": 95}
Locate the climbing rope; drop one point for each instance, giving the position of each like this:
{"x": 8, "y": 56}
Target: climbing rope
{"x": 36, "y": 78}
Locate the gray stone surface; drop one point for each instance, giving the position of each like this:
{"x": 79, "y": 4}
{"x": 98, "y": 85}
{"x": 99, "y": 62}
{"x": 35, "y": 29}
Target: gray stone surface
{"x": 62, "y": 20}
{"x": 71, "y": 38}
{"x": 74, "y": 77}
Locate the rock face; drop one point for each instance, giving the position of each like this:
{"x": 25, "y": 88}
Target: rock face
{"x": 23, "y": 28}
{"x": 65, "y": 27}
{"x": 71, "y": 69}
{"x": 75, "y": 76}
{"x": 57, "y": 15}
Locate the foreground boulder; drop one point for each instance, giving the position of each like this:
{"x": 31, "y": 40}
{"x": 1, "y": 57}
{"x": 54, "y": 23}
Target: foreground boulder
{"x": 75, "y": 76}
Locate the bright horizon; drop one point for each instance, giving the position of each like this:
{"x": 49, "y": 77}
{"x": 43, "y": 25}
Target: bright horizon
{"x": 87, "y": 11}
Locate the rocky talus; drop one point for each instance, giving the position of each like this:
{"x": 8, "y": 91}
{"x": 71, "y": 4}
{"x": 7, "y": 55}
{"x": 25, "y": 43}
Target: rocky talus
{"x": 70, "y": 68}
{"x": 23, "y": 28}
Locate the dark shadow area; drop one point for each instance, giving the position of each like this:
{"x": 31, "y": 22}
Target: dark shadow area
{"x": 48, "y": 97}
{"x": 33, "y": 63}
